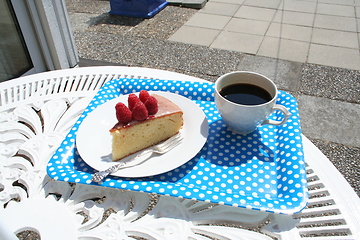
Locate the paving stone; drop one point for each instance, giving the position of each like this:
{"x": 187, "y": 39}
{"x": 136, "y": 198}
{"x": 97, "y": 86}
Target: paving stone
{"x": 197, "y": 4}
{"x": 299, "y": 6}
{"x": 226, "y": 9}
{"x": 161, "y": 26}
{"x": 330, "y": 120}
{"x": 91, "y": 45}
{"x": 214, "y": 62}
{"x": 334, "y": 56}
{"x": 335, "y": 38}
{"x": 284, "y": 49}
{"x": 285, "y": 74}
{"x": 335, "y": 22}
{"x": 164, "y": 24}
{"x": 156, "y": 53}
{"x": 335, "y": 9}
{"x": 330, "y": 82}
{"x": 103, "y": 23}
{"x": 296, "y": 18}
{"x": 288, "y": 31}
{"x": 342, "y": 2}
{"x": 262, "y": 3}
{"x": 249, "y": 26}
{"x": 194, "y": 74}
{"x": 263, "y": 14}
{"x": 82, "y": 21}
{"x": 205, "y": 20}
{"x": 231, "y": 1}
{"x": 88, "y": 6}
{"x": 241, "y": 42}
{"x": 195, "y": 35}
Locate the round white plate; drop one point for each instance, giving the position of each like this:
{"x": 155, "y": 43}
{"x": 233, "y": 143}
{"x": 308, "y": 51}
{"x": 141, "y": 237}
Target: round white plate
{"x": 93, "y": 139}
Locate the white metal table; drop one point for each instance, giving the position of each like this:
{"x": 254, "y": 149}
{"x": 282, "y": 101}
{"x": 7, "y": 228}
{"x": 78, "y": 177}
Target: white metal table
{"x": 30, "y": 132}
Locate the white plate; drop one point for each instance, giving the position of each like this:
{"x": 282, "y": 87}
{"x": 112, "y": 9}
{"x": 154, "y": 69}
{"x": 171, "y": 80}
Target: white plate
{"x": 93, "y": 139}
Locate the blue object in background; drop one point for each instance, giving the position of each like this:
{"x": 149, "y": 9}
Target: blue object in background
{"x": 137, "y": 8}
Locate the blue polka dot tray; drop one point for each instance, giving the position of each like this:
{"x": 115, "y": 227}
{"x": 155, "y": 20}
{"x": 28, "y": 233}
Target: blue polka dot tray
{"x": 264, "y": 170}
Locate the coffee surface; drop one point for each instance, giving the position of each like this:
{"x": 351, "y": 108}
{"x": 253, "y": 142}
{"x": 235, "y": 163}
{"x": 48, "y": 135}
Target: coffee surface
{"x": 246, "y": 94}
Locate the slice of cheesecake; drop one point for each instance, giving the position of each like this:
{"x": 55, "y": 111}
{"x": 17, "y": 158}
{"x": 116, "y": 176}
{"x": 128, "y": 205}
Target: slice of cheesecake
{"x": 137, "y": 135}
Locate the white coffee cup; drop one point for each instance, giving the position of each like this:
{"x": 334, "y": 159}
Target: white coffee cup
{"x": 243, "y": 118}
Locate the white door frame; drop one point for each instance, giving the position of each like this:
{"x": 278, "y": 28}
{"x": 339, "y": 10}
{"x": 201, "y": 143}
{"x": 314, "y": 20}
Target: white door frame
{"x": 47, "y": 32}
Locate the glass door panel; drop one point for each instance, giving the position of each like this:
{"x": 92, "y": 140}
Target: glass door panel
{"x": 14, "y": 55}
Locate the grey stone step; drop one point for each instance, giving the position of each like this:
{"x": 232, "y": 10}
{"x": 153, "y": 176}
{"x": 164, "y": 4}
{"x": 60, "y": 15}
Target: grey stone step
{"x": 197, "y": 4}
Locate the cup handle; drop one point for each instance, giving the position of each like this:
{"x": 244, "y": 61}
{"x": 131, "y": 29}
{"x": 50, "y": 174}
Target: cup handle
{"x": 286, "y": 113}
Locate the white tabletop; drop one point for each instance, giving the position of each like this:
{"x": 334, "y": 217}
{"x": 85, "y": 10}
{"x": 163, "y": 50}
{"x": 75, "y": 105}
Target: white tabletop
{"x": 28, "y": 141}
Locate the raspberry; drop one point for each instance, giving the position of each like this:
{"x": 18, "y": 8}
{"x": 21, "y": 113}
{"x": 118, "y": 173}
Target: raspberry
{"x": 123, "y": 113}
{"x": 151, "y": 105}
{"x": 144, "y": 95}
{"x": 139, "y": 112}
{"x": 132, "y": 100}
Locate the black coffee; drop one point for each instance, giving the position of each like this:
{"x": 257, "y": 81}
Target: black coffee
{"x": 246, "y": 94}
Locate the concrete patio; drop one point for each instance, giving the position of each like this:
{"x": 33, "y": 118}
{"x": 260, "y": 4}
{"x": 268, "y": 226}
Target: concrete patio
{"x": 308, "y": 49}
